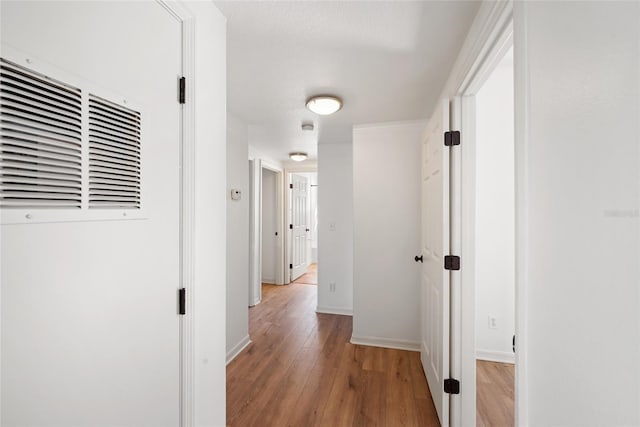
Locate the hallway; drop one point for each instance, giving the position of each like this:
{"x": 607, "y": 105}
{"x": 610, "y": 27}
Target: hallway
{"x": 301, "y": 370}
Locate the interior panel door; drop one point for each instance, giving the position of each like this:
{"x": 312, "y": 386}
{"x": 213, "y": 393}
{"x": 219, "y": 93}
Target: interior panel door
{"x": 435, "y": 245}
{"x": 90, "y": 328}
{"x": 300, "y": 223}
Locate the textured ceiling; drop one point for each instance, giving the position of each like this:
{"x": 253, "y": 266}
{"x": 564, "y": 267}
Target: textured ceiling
{"x": 388, "y": 61}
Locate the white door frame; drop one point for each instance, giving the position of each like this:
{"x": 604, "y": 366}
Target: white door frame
{"x": 255, "y": 229}
{"x": 288, "y": 170}
{"x": 280, "y": 223}
{"x": 187, "y": 211}
{"x": 178, "y": 10}
{"x": 498, "y": 39}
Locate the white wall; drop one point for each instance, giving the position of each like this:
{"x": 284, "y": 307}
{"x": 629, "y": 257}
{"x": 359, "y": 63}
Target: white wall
{"x": 495, "y": 215}
{"x": 335, "y": 228}
{"x": 577, "y": 131}
{"x": 386, "y": 197}
{"x": 209, "y": 374}
{"x": 269, "y": 226}
{"x": 237, "y": 237}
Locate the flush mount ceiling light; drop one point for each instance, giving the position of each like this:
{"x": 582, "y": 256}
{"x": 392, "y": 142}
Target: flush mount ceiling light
{"x": 307, "y": 126}
{"x": 298, "y": 157}
{"x": 324, "y": 104}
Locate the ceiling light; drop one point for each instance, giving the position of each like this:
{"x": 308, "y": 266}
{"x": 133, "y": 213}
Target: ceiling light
{"x": 298, "y": 157}
{"x": 307, "y": 126}
{"x": 324, "y": 104}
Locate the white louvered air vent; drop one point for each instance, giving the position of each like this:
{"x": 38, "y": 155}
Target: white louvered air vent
{"x": 114, "y": 155}
{"x": 40, "y": 137}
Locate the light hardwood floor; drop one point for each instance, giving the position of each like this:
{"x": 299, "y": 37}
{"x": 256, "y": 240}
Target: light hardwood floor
{"x": 301, "y": 370}
{"x": 310, "y": 277}
{"x": 495, "y": 394}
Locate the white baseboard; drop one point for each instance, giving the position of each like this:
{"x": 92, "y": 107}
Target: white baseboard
{"x": 334, "y": 310}
{"x": 496, "y": 356}
{"x": 231, "y": 354}
{"x": 386, "y": 343}
{"x": 269, "y": 281}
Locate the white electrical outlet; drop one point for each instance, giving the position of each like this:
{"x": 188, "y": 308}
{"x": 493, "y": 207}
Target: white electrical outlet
{"x": 493, "y": 323}
{"x": 332, "y": 286}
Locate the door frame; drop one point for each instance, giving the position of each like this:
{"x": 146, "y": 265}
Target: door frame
{"x": 280, "y": 272}
{"x": 188, "y": 145}
{"x": 288, "y": 170}
{"x": 255, "y": 227}
{"x": 498, "y": 38}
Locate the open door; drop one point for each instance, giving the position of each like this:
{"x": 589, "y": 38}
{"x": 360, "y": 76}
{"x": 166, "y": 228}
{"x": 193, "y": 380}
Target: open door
{"x": 299, "y": 225}
{"x": 435, "y": 246}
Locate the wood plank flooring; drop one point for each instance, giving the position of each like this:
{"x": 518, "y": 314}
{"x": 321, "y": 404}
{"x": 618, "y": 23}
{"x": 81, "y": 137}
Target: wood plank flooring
{"x": 301, "y": 370}
{"x": 310, "y": 277}
{"x": 495, "y": 394}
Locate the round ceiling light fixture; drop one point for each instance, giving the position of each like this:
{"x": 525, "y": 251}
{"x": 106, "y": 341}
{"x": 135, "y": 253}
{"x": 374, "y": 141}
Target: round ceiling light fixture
{"x": 298, "y": 157}
{"x": 324, "y": 104}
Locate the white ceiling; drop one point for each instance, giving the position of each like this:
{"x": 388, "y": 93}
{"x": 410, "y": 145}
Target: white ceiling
{"x": 388, "y": 61}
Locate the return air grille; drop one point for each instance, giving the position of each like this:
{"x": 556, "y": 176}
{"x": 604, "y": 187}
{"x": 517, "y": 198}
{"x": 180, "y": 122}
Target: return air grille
{"x": 114, "y": 155}
{"x": 40, "y": 139}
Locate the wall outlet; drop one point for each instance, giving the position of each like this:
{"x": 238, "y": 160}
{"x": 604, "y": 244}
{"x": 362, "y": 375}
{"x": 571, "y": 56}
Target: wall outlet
{"x": 332, "y": 286}
{"x": 493, "y": 323}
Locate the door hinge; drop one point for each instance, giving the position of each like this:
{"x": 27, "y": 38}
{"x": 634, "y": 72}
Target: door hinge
{"x": 291, "y": 186}
{"x": 290, "y": 266}
{"x": 290, "y": 226}
{"x": 451, "y": 386}
{"x": 452, "y": 138}
{"x": 451, "y": 262}
{"x": 514, "y": 344}
{"x": 182, "y": 301}
{"x": 183, "y": 89}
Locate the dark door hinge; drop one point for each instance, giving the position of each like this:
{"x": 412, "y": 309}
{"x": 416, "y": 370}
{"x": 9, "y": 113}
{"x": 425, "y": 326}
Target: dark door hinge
{"x": 451, "y": 262}
{"x": 183, "y": 89}
{"x": 514, "y": 344}
{"x": 452, "y": 138}
{"x": 291, "y": 186}
{"x": 290, "y": 226}
{"x": 451, "y": 386}
{"x": 290, "y": 266}
{"x": 182, "y": 301}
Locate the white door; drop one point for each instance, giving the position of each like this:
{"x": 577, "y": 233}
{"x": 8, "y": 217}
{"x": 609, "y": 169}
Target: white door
{"x": 90, "y": 325}
{"x": 299, "y": 225}
{"x": 435, "y": 245}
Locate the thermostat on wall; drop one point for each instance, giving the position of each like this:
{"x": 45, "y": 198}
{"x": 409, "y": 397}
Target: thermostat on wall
{"x": 236, "y": 194}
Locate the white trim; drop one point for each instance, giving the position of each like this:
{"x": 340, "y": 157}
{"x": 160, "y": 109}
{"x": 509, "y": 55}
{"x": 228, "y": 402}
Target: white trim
{"x": 188, "y": 207}
{"x": 467, "y": 250}
{"x": 386, "y": 343}
{"x": 496, "y": 356}
{"x": 255, "y": 231}
{"x": 237, "y": 349}
{"x": 342, "y": 311}
{"x": 521, "y": 95}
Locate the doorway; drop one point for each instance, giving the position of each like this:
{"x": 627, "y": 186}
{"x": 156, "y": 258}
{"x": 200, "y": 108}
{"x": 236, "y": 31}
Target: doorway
{"x": 265, "y": 234}
{"x": 303, "y": 227}
{"x": 495, "y": 246}
{"x": 269, "y": 229}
